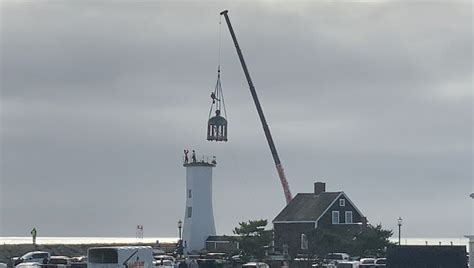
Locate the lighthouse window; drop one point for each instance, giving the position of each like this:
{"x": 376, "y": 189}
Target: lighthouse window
{"x": 190, "y": 195}
{"x": 189, "y": 212}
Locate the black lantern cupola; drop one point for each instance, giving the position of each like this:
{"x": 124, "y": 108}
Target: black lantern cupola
{"x": 217, "y": 124}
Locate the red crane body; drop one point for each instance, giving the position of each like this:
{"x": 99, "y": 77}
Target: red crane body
{"x": 268, "y": 135}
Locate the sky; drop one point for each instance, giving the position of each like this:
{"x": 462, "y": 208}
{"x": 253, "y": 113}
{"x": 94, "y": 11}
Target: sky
{"x": 99, "y": 99}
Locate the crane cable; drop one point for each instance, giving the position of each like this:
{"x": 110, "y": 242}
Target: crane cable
{"x": 218, "y": 84}
{"x": 219, "y": 68}
{"x": 219, "y": 53}
{"x": 218, "y": 89}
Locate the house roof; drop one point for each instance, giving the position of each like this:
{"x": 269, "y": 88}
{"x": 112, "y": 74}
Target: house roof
{"x": 307, "y": 207}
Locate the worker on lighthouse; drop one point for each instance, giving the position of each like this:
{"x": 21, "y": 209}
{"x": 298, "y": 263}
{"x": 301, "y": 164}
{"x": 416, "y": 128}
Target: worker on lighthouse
{"x": 186, "y": 159}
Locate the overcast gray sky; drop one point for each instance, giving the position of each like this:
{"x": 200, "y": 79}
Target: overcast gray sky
{"x": 99, "y": 98}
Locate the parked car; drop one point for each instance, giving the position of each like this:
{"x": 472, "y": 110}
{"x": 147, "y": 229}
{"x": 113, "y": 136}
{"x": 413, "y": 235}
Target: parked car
{"x": 164, "y": 261}
{"x": 367, "y": 262}
{"x": 255, "y": 265}
{"x": 335, "y": 258}
{"x": 381, "y": 262}
{"x": 59, "y": 262}
{"x": 79, "y": 262}
{"x": 29, "y": 265}
{"x": 219, "y": 258}
{"x": 79, "y": 259}
{"x": 237, "y": 258}
{"x": 34, "y": 256}
{"x": 348, "y": 264}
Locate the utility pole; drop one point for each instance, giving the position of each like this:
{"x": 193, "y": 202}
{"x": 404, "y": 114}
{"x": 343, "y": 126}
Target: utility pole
{"x": 399, "y": 222}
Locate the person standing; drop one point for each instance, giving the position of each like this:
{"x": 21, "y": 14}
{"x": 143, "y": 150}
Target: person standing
{"x": 33, "y": 235}
{"x": 186, "y": 159}
{"x": 194, "y": 156}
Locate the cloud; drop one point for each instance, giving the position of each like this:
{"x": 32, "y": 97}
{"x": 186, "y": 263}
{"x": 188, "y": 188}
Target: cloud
{"x": 99, "y": 99}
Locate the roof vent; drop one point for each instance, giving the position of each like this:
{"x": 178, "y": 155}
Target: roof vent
{"x": 319, "y": 187}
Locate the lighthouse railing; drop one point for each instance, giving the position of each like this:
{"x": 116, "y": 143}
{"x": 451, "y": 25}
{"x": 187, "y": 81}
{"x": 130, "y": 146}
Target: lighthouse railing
{"x": 208, "y": 159}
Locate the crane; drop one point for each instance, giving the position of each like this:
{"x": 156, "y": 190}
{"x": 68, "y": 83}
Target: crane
{"x": 268, "y": 135}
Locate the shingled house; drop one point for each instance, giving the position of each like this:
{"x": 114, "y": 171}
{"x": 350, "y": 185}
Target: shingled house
{"x": 308, "y": 211}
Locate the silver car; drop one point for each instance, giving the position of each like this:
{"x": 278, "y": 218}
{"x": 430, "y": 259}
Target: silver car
{"x": 34, "y": 256}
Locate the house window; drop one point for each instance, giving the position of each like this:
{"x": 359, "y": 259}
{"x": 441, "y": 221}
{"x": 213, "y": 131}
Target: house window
{"x": 349, "y": 217}
{"x": 304, "y": 241}
{"x": 189, "y": 212}
{"x": 335, "y": 217}
{"x": 190, "y": 195}
{"x": 342, "y": 202}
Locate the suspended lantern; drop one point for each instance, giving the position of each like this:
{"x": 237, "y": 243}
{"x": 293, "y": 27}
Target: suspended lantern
{"x": 217, "y": 124}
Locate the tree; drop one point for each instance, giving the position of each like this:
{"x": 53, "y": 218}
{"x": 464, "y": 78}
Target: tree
{"x": 371, "y": 241}
{"x": 253, "y": 238}
{"x": 357, "y": 240}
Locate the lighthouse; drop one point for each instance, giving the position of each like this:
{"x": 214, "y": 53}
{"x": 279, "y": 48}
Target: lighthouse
{"x": 198, "y": 215}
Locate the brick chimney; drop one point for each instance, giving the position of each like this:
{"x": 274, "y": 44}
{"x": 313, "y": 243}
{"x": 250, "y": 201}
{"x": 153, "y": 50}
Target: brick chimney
{"x": 364, "y": 221}
{"x": 319, "y": 187}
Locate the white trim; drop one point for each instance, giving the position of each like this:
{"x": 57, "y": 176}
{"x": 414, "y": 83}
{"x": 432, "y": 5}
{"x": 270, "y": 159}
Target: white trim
{"x": 335, "y": 200}
{"x": 358, "y": 211}
{"x": 343, "y": 203}
{"x": 330, "y": 205}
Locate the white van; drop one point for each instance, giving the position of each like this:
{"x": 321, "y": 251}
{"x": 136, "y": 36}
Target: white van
{"x": 120, "y": 257}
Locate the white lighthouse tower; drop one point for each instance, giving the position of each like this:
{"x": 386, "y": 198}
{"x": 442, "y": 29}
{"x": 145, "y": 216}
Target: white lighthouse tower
{"x": 198, "y": 215}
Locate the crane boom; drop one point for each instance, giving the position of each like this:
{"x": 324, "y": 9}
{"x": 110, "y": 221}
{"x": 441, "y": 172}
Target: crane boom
{"x": 268, "y": 135}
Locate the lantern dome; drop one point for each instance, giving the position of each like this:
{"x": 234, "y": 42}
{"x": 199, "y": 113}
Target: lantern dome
{"x": 217, "y": 128}
{"x": 217, "y": 125}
